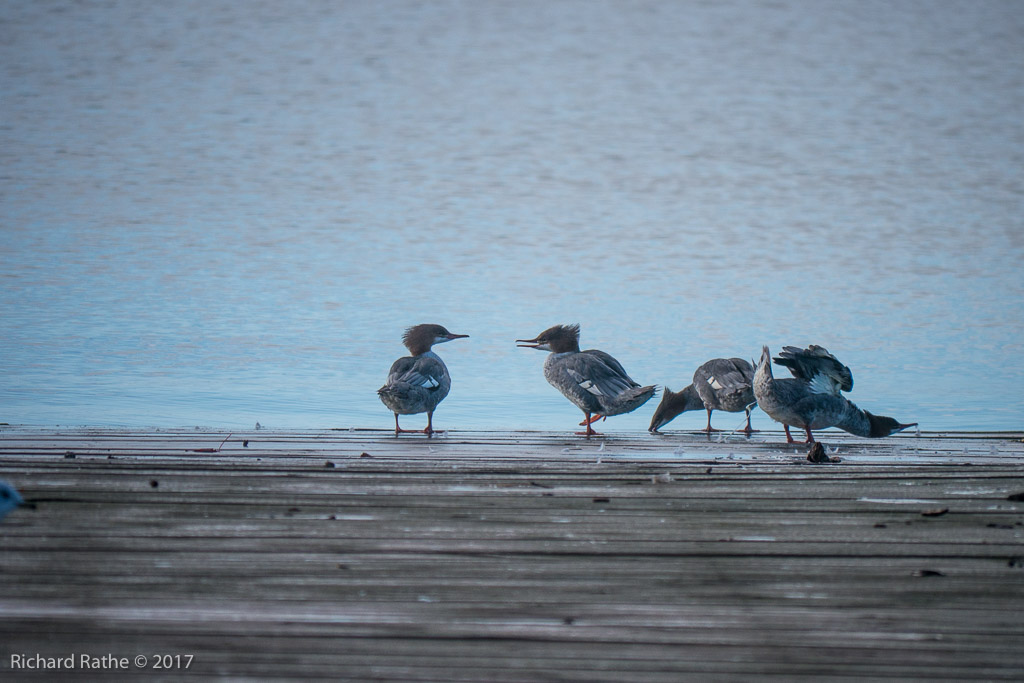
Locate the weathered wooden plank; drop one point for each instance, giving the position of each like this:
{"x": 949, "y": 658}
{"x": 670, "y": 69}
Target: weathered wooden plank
{"x": 518, "y": 556}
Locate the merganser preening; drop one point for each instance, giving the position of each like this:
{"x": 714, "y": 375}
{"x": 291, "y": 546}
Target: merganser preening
{"x": 720, "y": 384}
{"x": 593, "y": 380}
{"x": 10, "y": 499}
{"x": 417, "y": 383}
{"x": 812, "y": 399}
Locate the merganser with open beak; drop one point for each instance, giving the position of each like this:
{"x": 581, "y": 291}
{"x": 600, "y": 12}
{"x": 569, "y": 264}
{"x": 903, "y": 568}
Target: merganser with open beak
{"x": 418, "y": 383}
{"x": 591, "y": 379}
{"x": 720, "y": 384}
{"x": 812, "y": 399}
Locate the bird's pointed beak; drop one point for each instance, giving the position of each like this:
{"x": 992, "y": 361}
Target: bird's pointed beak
{"x": 457, "y": 336}
{"x": 900, "y": 428}
{"x": 527, "y": 343}
{"x": 658, "y": 420}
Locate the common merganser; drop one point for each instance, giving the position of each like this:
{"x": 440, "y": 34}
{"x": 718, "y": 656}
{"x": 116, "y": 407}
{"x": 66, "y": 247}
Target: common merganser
{"x": 417, "y": 383}
{"x": 812, "y": 399}
{"x": 720, "y": 384}
{"x": 10, "y": 499}
{"x": 591, "y": 379}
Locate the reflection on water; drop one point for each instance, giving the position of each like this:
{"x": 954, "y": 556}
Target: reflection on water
{"x": 218, "y": 214}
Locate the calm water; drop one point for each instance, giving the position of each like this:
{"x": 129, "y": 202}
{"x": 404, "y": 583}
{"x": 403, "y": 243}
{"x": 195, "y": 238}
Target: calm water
{"x": 218, "y": 213}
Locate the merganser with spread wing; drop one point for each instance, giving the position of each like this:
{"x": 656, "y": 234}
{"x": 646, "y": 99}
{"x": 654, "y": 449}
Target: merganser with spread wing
{"x": 811, "y": 399}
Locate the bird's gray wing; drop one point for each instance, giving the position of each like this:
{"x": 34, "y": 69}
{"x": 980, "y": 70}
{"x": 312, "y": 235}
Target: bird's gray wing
{"x": 428, "y": 373}
{"x": 599, "y": 374}
{"x": 725, "y": 375}
{"x": 614, "y": 365}
{"x": 821, "y": 370}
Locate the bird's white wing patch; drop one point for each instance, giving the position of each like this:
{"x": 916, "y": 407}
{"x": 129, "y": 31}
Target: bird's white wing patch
{"x": 585, "y": 383}
{"x": 823, "y": 384}
{"x": 430, "y": 382}
{"x": 715, "y": 384}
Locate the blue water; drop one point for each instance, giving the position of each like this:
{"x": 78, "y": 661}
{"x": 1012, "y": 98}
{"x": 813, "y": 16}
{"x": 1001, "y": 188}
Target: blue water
{"x": 221, "y": 213}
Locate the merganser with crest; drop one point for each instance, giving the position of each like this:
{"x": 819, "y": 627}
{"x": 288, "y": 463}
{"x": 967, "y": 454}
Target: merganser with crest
{"x": 591, "y": 379}
{"x": 811, "y": 399}
{"x": 418, "y": 383}
{"x": 720, "y": 384}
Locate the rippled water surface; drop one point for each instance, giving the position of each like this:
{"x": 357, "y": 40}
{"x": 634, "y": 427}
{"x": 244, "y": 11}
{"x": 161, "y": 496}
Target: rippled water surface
{"x": 218, "y": 213}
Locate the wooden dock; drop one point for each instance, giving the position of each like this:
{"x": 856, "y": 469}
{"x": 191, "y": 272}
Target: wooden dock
{"x": 523, "y": 556}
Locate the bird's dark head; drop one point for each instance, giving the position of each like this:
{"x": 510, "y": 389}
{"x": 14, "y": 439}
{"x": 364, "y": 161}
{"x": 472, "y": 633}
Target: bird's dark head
{"x": 885, "y": 426}
{"x": 557, "y": 339}
{"x": 419, "y": 338}
{"x": 674, "y": 403}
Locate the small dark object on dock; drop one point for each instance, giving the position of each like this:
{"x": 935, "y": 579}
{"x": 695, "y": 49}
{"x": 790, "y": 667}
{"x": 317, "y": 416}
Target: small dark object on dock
{"x": 1016, "y": 496}
{"x": 1016, "y": 562}
{"x": 245, "y": 444}
{"x": 70, "y": 455}
{"x": 938, "y": 512}
{"x": 817, "y": 454}
{"x": 881, "y": 526}
{"x": 602, "y": 500}
{"x": 329, "y": 464}
{"x": 364, "y": 454}
{"x": 538, "y": 485}
{"x": 153, "y": 483}
{"x": 927, "y": 572}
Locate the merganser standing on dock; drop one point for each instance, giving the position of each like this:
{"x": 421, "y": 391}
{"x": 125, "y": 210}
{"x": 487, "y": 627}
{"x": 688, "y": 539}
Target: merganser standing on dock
{"x": 591, "y": 379}
{"x": 812, "y": 399}
{"x": 418, "y": 383}
{"x": 720, "y": 384}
